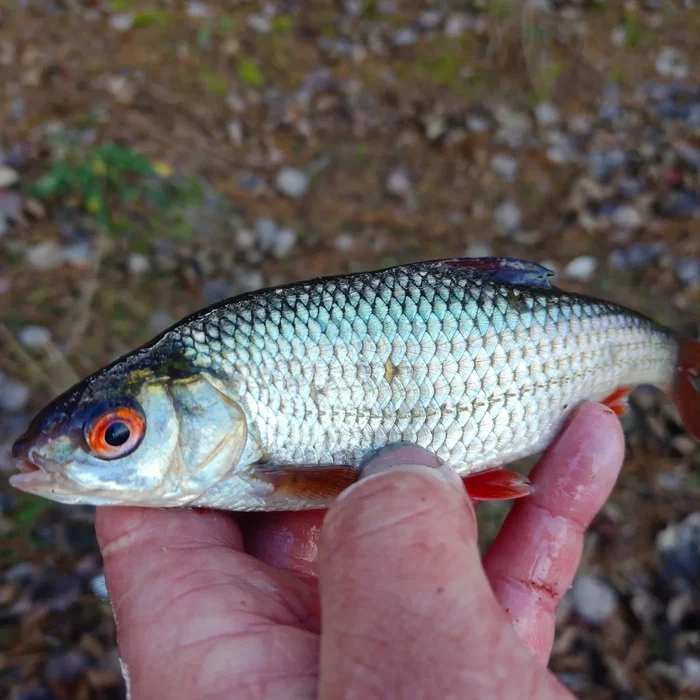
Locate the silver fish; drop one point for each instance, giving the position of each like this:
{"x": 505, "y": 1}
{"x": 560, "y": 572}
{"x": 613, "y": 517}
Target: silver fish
{"x": 275, "y": 399}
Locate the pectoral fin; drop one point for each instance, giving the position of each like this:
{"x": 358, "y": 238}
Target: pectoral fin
{"x": 307, "y": 482}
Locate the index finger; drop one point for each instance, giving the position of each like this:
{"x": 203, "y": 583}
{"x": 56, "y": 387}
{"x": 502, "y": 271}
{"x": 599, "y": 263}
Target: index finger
{"x": 532, "y": 562}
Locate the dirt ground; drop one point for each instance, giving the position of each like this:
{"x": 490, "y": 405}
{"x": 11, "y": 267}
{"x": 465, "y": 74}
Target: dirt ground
{"x": 159, "y": 156}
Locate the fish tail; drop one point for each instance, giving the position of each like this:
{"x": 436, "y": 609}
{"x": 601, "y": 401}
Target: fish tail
{"x": 686, "y": 388}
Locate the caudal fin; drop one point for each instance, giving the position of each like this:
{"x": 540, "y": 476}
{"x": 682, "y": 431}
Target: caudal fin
{"x": 686, "y": 389}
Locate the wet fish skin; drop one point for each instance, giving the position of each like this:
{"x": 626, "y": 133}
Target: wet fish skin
{"x": 479, "y": 361}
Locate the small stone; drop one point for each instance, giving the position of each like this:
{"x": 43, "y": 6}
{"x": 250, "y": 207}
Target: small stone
{"x": 429, "y": 20}
{"x": 34, "y": 337}
{"x": 8, "y": 177}
{"x": 259, "y": 24}
{"x": 399, "y": 183}
{"x": 507, "y": 216}
{"x": 594, "y": 600}
{"x": 505, "y": 166}
{"x": 5, "y": 285}
{"x": 121, "y": 88}
{"x": 688, "y": 270}
{"x": 627, "y": 217}
{"x": 477, "y": 124}
{"x": 235, "y": 102}
{"x": 45, "y": 256}
{"x": 17, "y": 109}
{"x": 515, "y": 127}
{"x": 250, "y": 280}
{"x": 121, "y": 22}
{"x": 670, "y": 64}
{"x": 691, "y": 671}
{"x": 79, "y": 255}
{"x": 245, "y": 239}
{"x": 4, "y": 225}
{"x": 527, "y": 238}
{"x": 582, "y": 268}
{"x": 618, "y": 36}
{"x": 284, "y": 242}
{"x": 14, "y": 395}
{"x": 547, "y": 114}
{"x": 234, "y": 129}
{"x": 478, "y": 250}
{"x": 344, "y": 242}
{"x": 98, "y": 585}
{"x": 197, "y": 10}
{"x": 292, "y": 183}
{"x": 68, "y": 666}
{"x": 138, "y": 264}
{"x": 581, "y": 125}
{"x": 457, "y": 24}
{"x": 265, "y": 232}
{"x": 405, "y": 37}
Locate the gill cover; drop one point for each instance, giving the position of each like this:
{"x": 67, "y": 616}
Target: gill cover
{"x": 212, "y": 436}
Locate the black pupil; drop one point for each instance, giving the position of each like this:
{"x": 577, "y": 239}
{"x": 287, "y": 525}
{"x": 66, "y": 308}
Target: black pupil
{"x": 117, "y": 434}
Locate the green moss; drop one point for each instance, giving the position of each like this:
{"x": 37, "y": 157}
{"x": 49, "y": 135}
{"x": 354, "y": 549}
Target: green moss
{"x": 249, "y": 72}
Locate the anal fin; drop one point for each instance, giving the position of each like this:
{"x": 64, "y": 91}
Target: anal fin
{"x": 617, "y": 401}
{"x": 497, "y": 485}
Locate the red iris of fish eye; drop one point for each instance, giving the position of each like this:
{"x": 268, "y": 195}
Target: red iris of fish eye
{"x": 97, "y": 433}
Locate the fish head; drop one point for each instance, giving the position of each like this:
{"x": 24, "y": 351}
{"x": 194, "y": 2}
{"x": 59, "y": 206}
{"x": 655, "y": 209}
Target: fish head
{"x": 135, "y": 433}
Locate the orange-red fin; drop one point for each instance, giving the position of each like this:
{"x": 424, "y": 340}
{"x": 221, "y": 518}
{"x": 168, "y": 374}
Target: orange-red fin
{"x": 497, "y": 485}
{"x": 308, "y": 482}
{"x": 618, "y": 400}
{"x": 686, "y": 389}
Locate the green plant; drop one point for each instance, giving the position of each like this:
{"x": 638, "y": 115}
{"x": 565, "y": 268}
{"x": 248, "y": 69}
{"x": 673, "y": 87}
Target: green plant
{"x": 98, "y": 180}
{"x": 249, "y": 72}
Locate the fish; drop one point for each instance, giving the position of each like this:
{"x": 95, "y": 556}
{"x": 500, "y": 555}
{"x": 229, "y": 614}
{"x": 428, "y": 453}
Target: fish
{"x": 274, "y": 400}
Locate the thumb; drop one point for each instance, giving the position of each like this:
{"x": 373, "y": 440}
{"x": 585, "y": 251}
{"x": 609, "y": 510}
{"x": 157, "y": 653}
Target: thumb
{"x": 406, "y": 607}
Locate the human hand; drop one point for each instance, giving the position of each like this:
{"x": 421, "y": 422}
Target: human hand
{"x": 390, "y": 599}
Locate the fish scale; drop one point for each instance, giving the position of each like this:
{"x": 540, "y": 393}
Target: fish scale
{"x": 478, "y": 371}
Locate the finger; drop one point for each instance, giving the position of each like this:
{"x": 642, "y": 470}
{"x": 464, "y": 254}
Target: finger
{"x": 532, "y": 562}
{"x": 197, "y": 617}
{"x": 406, "y": 607}
{"x": 287, "y": 541}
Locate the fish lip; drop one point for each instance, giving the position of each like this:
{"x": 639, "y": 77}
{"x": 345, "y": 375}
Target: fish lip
{"x": 32, "y": 480}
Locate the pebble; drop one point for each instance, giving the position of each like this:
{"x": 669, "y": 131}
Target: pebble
{"x": 581, "y": 125}
{"x": 138, "y": 264}
{"x": 5, "y": 285}
{"x": 691, "y": 671}
{"x": 11, "y": 205}
{"x": 582, "y": 268}
{"x": 98, "y": 586}
{"x": 45, "y": 256}
{"x": 122, "y": 21}
{"x": 292, "y": 183}
{"x": 405, "y": 37}
{"x": 670, "y": 64}
{"x": 4, "y": 225}
{"x": 159, "y": 321}
{"x": 66, "y": 666}
{"x": 507, "y": 216}
{"x": 547, "y": 114}
{"x": 284, "y": 242}
{"x": 234, "y": 128}
{"x": 215, "y": 290}
{"x": 79, "y": 254}
{"x": 457, "y": 24}
{"x": 34, "y": 337}
{"x": 265, "y": 232}
{"x": 399, "y": 183}
{"x": 515, "y": 127}
{"x": 505, "y": 166}
{"x": 429, "y": 20}
{"x": 688, "y": 270}
{"x": 594, "y": 600}
{"x": 477, "y": 124}
{"x": 8, "y": 177}
{"x": 14, "y": 395}
{"x": 344, "y": 242}
{"x": 259, "y": 23}
{"x": 627, "y": 217}
{"x": 197, "y": 10}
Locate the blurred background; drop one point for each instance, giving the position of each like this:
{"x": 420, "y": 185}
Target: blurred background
{"x": 159, "y": 156}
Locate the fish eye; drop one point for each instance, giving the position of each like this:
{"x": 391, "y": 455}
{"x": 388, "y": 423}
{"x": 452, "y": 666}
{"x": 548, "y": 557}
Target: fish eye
{"x": 116, "y": 432}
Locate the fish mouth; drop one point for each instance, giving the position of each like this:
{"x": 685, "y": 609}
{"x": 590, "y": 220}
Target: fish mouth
{"x": 33, "y": 473}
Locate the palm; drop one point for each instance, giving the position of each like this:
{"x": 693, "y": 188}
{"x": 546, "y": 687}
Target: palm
{"x": 223, "y": 619}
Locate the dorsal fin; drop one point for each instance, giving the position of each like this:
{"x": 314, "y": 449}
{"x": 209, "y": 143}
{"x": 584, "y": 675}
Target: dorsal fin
{"x": 509, "y": 270}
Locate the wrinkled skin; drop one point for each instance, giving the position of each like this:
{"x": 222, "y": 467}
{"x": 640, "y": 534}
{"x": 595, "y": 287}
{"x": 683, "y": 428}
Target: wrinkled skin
{"x": 388, "y": 599}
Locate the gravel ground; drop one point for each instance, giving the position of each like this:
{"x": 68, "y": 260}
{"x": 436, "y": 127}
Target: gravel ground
{"x": 179, "y": 153}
